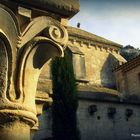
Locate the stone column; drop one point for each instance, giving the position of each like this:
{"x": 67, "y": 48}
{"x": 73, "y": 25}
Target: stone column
{"x": 31, "y": 32}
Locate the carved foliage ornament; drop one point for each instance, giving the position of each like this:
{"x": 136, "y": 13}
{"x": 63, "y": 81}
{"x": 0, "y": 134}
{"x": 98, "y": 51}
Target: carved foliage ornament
{"x": 22, "y": 56}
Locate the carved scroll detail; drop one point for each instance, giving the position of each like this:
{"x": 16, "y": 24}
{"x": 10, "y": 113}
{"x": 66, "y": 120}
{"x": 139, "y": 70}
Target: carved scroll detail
{"x": 57, "y": 34}
{"x": 53, "y": 30}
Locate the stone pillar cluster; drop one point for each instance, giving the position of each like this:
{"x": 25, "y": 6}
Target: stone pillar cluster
{"x": 31, "y": 32}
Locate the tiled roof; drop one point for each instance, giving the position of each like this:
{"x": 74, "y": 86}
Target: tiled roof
{"x": 129, "y": 65}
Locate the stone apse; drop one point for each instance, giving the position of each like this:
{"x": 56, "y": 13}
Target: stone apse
{"x": 31, "y": 32}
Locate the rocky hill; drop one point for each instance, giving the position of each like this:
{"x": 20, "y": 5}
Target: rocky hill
{"x": 129, "y": 52}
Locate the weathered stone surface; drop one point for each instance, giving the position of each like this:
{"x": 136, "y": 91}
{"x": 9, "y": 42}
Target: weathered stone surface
{"x": 128, "y": 79}
{"x": 3, "y": 68}
{"x": 101, "y": 56}
{"x": 99, "y": 125}
{"x": 45, "y": 125}
{"x": 25, "y": 47}
{"x": 93, "y": 58}
{"x": 15, "y": 131}
{"x": 65, "y": 8}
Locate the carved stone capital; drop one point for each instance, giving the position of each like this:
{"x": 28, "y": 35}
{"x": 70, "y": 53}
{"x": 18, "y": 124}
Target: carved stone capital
{"x": 23, "y": 53}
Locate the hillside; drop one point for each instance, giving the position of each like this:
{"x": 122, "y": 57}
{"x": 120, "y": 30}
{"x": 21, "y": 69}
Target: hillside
{"x": 129, "y": 52}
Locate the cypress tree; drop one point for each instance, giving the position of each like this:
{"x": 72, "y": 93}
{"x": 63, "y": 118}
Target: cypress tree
{"x": 65, "y": 103}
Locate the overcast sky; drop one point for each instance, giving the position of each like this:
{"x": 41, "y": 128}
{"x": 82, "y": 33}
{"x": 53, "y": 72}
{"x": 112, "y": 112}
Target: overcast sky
{"x": 116, "y": 20}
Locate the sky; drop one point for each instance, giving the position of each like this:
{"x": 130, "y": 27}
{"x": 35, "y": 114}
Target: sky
{"x": 116, "y": 20}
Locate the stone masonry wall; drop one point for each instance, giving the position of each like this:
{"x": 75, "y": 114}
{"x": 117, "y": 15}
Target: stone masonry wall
{"x": 99, "y": 126}
{"x": 45, "y": 126}
{"x": 99, "y": 63}
{"x": 133, "y": 81}
{"x": 128, "y": 83}
{"x": 93, "y": 61}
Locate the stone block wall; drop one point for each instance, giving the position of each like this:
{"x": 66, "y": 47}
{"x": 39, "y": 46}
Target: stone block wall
{"x": 45, "y": 126}
{"x": 93, "y": 61}
{"x": 133, "y": 81}
{"x": 94, "y": 65}
{"x": 128, "y": 82}
{"x": 99, "y": 63}
{"x": 99, "y": 126}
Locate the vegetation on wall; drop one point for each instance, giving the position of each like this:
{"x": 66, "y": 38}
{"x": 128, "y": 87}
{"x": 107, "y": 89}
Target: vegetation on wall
{"x": 65, "y": 103}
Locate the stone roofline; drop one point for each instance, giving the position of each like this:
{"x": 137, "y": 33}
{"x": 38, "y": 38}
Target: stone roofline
{"x": 63, "y": 8}
{"x": 79, "y": 35}
{"x": 129, "y": 65}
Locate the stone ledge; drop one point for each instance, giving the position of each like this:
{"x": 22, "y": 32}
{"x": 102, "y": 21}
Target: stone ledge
{"x": 84, "y": 81}
{"x": 43, "y": 97}
{"x": 104, "y": 97}
{"x": 97, "y": 96}
{"x": 97, "y": 89}
{"x": 66, "y": 8}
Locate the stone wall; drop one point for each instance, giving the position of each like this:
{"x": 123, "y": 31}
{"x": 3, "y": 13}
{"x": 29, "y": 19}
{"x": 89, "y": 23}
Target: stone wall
{"x": 100, "y": 126}
{"x": 99, "y": 63}
{"x": 44, "y": 83}
{"x": 93, "y": 61}
{"x": 128, "y": 79}
{"x": 45, "y": 126}
{"x": 96, "y": 122}
{"x": 133, "y": 81}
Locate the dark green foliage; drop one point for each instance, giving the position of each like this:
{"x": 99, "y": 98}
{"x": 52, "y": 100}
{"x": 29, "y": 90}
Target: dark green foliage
{"x": 65, "y": 101}
{"x": 129, "y": 52}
